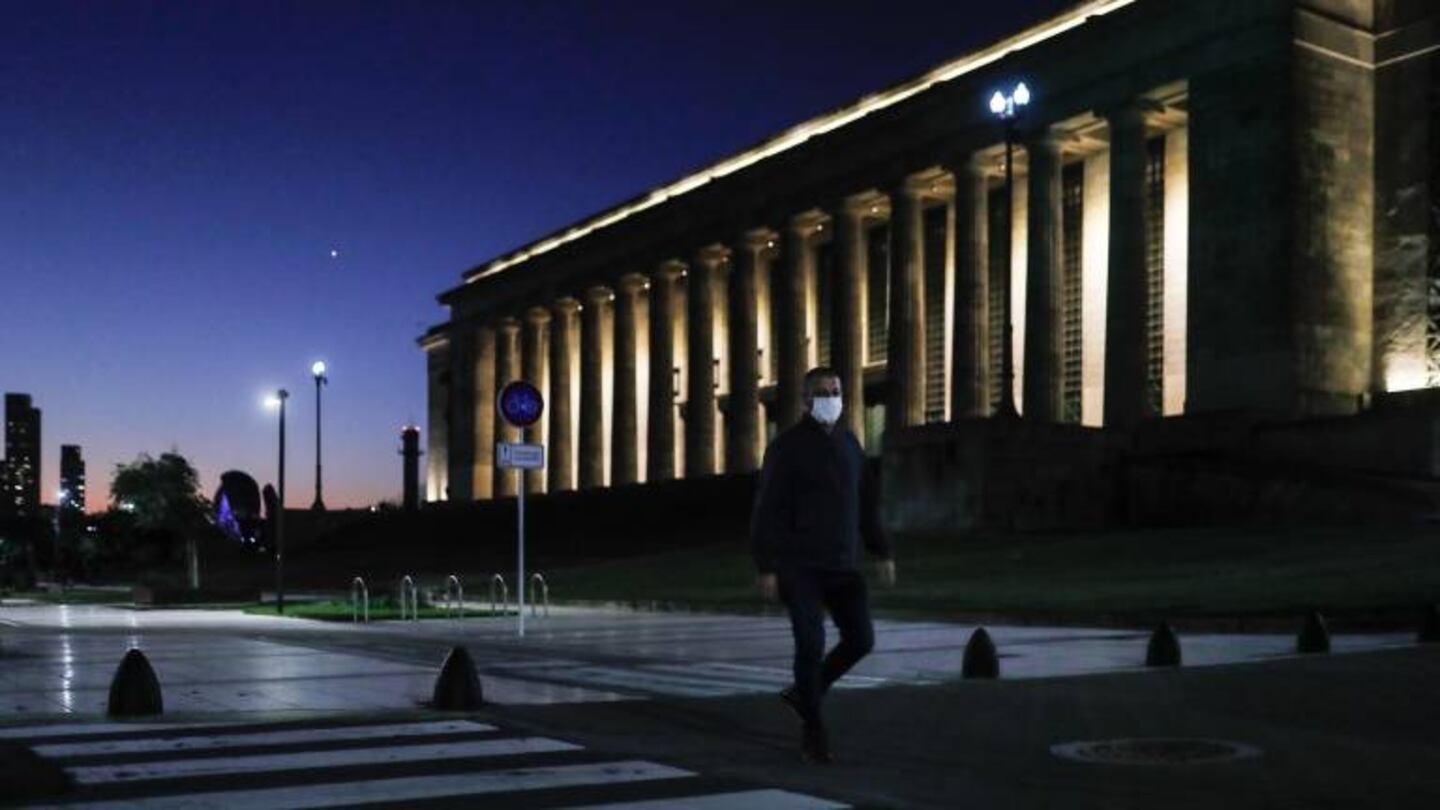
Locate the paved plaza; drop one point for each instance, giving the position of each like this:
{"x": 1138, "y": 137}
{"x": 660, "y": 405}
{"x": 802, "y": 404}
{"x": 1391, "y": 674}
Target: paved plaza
{"x": 622, "y": 709}
{"x": 60, "y": 658}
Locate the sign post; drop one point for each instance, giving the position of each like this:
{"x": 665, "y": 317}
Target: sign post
{"x": 520, "y": 405}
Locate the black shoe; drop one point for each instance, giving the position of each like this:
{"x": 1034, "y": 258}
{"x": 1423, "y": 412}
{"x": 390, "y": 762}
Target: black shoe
{"x": 792, "y": 700}
{"x": 815, "y": 745}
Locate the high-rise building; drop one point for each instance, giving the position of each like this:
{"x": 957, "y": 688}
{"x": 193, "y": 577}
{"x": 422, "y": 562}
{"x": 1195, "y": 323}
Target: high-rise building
{"x": 22, "y": 457}
{"x": 72, "y": 480}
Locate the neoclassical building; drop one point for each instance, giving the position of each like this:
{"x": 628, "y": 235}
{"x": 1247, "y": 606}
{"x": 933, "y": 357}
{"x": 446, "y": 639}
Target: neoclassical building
{"x": 1215, "y": 206}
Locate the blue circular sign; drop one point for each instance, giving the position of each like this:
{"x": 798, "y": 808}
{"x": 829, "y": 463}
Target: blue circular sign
{"x": 521, "y": 404}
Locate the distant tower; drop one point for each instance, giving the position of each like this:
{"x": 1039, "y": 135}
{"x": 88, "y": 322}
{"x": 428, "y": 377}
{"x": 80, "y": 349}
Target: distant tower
{"x": 410, "y": 450}
{"x": 22, "y": 457}
{"x": 72, "y": 482}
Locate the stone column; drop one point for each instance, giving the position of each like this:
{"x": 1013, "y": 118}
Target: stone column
{"x": 484, "y": 375}
{"x": 847, "y": 344}
{"x": 700, "y": 388}
{"x": 534, "y": 368}
{"x": 660, "y": 452}
{"x": 1127, "y": 299}
{"x": 460, "y": 409}
{"x": 1044, "y": 334}
{"x": 561, "y": 454}
{"x": 437, "y": 418}
{"x": 625, "y": 423}
{"x": 970, "y": 367}
{"x": 507, "y": 369}
{"x": 742, "y": 420}
{"x": 905, "y": 366}
{"x": 790, "y": 354}
{"x": 592, "y": 388}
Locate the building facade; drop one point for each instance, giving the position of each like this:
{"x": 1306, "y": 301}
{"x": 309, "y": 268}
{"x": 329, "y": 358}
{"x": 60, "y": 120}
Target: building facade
{"x": 22, "y": 457}
{"x": 1214, "y": 207}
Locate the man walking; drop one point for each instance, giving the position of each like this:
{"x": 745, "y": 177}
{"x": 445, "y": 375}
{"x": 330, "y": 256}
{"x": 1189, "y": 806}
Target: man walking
{"x": 816, "y": 505}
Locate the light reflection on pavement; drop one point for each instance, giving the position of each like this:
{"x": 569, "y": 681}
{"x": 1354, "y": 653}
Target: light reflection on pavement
{"x": 59, "y": 659}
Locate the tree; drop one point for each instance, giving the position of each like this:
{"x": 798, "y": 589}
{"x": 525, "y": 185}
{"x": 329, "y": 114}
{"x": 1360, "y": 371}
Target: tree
{"x": 162, "y": 496}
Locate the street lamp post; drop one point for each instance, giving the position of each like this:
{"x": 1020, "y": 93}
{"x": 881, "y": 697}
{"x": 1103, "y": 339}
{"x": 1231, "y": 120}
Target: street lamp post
{"x": 318, "y": 370}
{"x": 278, "y": 401}
{"x": 1008, "y": 109}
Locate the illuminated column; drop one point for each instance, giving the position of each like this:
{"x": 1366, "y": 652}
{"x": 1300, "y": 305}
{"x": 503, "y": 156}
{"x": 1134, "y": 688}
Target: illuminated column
{"x": 561, "y": 453}
{"x": 700, "y": 394}
{"x": 1175, "y": 317}
{"x": 790, "y": 351}
{"x": 533, "y": 366}
{"x": 1044, "y": 338}
{"x": 592, "y": 388}
{"x": 847, "y": 313}
{"x": 1095, "y": 230}
{"x": 625, "y": 425}
{"x": 1126, "y": 400}
{"x": 905, "y": 355}
{"x": 970, "y": 390}
{"x": 507, "y": 369}
{"x": 484, "y": 475}
{"x": 742, "y": 420}
{"x": 660, "y": 442}
{"x": 437, "y": 447}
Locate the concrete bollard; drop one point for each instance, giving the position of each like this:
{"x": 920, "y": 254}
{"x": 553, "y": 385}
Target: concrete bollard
{"x": 1430, "y": 625}
{"x": 135, "y": 691}
{"x": 981, "y": 660}
{"x": 457, "y": 688}
{"x": 1164, "y": 647}
{"x": 1314, "y": 636}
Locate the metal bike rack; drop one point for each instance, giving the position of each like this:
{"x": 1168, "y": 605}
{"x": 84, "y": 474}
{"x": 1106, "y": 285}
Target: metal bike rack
{"x": 504, "y": 594}
{"x": 407, "y": 585}
{"x": 459, "y": 604}
{"x": 359, "y": 595}
{"x": 538, "y": 578}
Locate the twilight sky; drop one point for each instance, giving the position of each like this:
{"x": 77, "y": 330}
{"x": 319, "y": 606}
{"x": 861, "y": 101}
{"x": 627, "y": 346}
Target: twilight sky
{"x": 175, "y": 175}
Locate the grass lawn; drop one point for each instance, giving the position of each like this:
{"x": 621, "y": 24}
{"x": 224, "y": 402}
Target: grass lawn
{"x": 1173, "y": 573}
{"x": 338, "y": 611}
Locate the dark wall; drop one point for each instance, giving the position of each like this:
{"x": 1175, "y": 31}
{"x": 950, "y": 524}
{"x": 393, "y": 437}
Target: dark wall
{"x": 561, "y": 529}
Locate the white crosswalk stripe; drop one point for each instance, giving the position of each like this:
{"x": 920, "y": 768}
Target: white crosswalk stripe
{"x": 274, "y": 763}
{"x": 289, "y": 737}
{"x": 768, "y": 799}
{"x": 171, "y": 765}
{"x": 703, "y": 680}
{"x": 411, "y": 788}
{"x": 92, "y": 729}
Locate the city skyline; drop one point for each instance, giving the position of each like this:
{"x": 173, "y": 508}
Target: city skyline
{"x": 207, "y": 200}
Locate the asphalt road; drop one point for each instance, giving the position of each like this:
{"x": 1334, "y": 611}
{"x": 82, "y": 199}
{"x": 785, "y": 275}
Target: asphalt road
{"x": 1333, "y": 731}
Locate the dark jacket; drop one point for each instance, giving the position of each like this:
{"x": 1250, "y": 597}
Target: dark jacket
{"x": 817, "y": 502}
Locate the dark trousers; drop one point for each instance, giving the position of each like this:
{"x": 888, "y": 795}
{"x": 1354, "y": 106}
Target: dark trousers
{"x": 808, "y": 593}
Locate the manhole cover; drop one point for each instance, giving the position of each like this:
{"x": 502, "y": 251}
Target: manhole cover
{"x": 1155, "y": 751}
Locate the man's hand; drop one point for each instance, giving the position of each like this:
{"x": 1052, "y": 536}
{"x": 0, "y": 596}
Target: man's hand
{"x": 885, "y": 572}
{"x": 768, "y": 586}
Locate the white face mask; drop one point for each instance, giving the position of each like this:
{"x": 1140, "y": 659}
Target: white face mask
{"x": 826, "y": 410}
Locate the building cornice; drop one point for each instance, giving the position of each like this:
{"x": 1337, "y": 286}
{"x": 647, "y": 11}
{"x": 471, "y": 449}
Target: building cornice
{"x": 803, "y": 132}
{"x": 436, "y": 337}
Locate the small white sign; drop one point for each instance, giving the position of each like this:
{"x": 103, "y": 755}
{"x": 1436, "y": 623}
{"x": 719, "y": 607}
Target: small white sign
{"x": 510, "y": 456}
